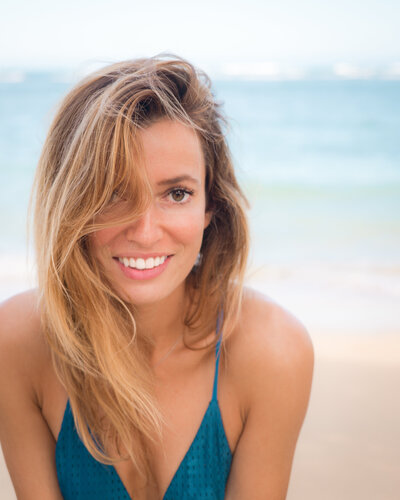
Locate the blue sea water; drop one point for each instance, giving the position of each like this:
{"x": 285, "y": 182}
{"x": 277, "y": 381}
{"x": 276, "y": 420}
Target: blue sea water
{"x": 319, "y": 162}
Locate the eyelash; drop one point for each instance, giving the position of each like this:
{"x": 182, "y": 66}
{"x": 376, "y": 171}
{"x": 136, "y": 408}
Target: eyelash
{"x": 184, "y": 190}
{"x": 116, "y": 198}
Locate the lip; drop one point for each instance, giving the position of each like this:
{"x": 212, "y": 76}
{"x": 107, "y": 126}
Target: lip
{"x": 141, "y": 255}
{"x": 144, "y": 274}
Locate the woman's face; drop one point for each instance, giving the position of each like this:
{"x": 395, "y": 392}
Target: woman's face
{"x": 149, "y": 259}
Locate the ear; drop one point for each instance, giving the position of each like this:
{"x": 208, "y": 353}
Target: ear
{"x": 207, "y": 218}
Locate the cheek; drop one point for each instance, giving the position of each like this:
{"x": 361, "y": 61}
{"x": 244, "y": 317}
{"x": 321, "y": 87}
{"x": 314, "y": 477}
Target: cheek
{"x": 189, "y": 227}
{"x": 100, "y": 240}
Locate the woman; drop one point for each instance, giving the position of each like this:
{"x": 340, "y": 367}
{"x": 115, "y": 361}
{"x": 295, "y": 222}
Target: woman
{"x": 140, "y": 368}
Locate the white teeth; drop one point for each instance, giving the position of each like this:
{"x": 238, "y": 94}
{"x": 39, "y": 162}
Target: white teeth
{"x": 141, "y": 264}
{"x": 149, "y": 263}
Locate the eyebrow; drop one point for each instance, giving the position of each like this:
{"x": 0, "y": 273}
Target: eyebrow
{"x": 176, "y": 180}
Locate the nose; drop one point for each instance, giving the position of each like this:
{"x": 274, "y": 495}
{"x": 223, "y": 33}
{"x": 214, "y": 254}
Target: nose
{"x": 147, "y": 230}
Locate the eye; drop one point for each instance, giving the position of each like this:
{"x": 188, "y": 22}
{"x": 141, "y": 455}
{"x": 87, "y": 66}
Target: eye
{"x": 180, "y": 195}
{"x": 114, "y": 197}
{"x": 117, "y": 197}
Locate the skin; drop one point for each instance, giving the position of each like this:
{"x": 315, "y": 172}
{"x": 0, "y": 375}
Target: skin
{"x": 265, "y": 370}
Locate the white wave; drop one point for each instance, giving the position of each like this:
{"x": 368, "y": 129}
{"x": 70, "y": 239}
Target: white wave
{"x": 347, "y": 299}
{"x": 352, "y": 71}
{"x": 360, "y": 277}
{"x": 264, "y": 70}
{"x": 12, "y": 76}
{"x": 392, "y": 72}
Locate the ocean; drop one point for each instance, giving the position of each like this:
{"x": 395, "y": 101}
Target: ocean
{"x": 319, "y": 161}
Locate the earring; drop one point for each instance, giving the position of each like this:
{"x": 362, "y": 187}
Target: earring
{"x": 198, "y": 260}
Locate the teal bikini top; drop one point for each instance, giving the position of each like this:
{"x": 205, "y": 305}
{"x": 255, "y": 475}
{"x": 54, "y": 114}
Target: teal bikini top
{"x": 202, "y": 474}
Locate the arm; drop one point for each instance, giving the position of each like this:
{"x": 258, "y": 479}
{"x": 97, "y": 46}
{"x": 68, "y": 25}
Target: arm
{"x": 27, "y": 443}
{"x": 278, "y": 363}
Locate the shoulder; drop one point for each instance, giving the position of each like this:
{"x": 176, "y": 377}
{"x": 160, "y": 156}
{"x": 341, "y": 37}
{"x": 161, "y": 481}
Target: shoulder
{"x": 20, "y": 320}
{"x": 22, "y": 346}
{"x": 19, "y": 309}
{"x": 270, "y": 363}
{"x": 267, "y": 331}
{"x": 270, "y": 348}
{"x": 26, "y": 439}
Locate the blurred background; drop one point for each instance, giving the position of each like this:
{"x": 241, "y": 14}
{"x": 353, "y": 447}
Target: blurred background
{"x": 312, "y": 92}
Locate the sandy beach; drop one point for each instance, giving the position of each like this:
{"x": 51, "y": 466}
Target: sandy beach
{"x": 349, "y": 446}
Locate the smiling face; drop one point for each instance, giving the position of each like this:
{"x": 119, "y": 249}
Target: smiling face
{"x": 149, "y": 259}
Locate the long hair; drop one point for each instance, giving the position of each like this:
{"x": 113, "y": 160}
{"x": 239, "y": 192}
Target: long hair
{"x": 90, "y": 153}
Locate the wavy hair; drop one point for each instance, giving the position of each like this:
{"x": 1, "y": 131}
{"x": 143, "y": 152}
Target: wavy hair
{"x": 90, "y": 152}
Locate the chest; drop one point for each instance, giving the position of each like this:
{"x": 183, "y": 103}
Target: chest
{"x": 189, "y": 424}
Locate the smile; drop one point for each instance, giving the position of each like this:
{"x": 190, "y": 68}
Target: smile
{"x": 142, "y": 264}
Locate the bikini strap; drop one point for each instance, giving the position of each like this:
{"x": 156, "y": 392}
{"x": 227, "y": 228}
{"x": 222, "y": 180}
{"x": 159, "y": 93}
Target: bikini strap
{"x": 220, "y": 320}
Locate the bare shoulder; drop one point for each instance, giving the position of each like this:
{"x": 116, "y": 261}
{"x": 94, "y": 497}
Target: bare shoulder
{"x": 26, "y": 300}
{"x": 19, "y": 318}
{"x": 270, "y": 357}
{"x": 269, "y": 346}
{"x": 26, "y": 440}
{"x": 22, "y": 347}
{"x": 268, "y": 331}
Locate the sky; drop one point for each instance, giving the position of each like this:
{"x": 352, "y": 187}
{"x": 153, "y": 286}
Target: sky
{"x": 53, "y": 34}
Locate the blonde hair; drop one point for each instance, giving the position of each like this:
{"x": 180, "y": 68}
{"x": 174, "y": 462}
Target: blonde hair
{"x": 90, "y": 152}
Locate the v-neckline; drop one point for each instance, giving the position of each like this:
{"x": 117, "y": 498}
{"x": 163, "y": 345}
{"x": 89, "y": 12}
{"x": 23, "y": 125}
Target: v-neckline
{"x": 213, "y": 401}
{"x": 119, "y": 480}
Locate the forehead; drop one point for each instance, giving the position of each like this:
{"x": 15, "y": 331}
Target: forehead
{"x": 172, "y": 149}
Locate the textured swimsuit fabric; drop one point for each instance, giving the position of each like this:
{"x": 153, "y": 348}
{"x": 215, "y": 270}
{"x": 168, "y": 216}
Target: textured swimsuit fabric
{"x": 202, "y": 474}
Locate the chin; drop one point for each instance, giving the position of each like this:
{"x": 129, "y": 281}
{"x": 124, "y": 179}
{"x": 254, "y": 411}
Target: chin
{"x": 148, "y": 295}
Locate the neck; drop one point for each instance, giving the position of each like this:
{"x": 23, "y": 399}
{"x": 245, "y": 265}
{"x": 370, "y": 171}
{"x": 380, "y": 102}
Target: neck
{"x": 161, "y": 323}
